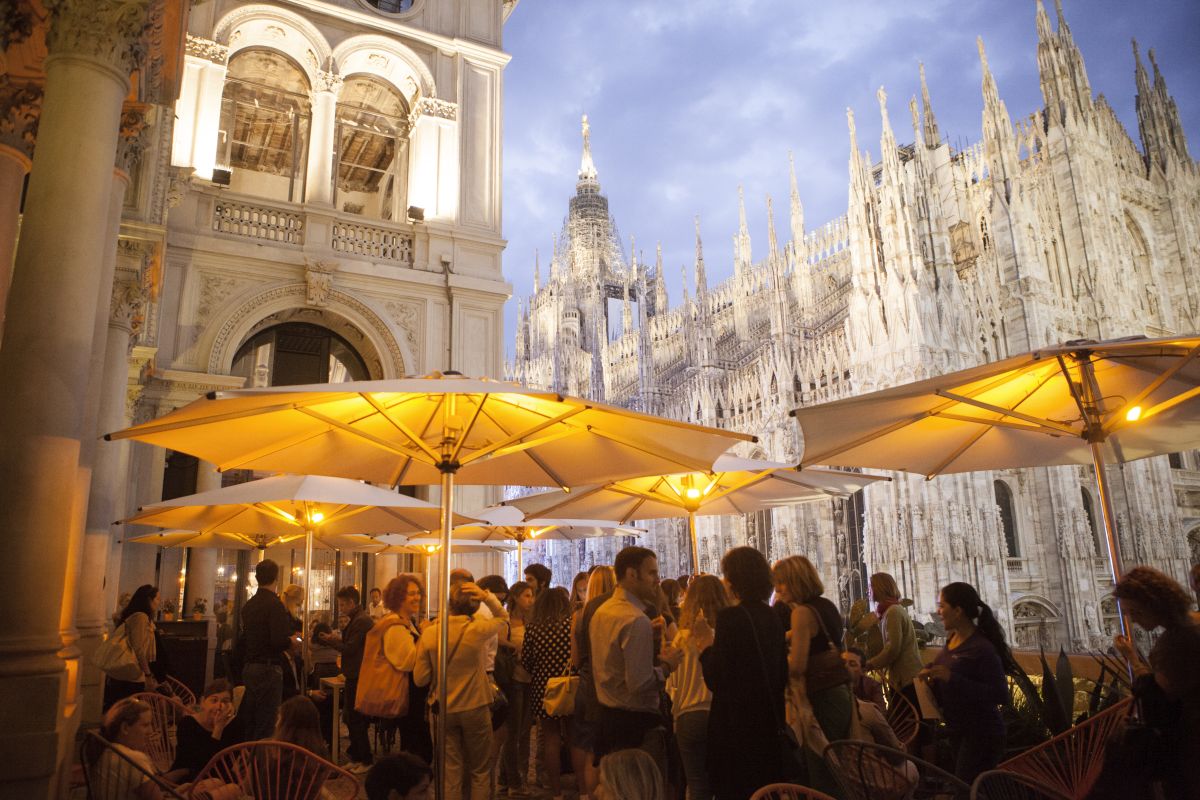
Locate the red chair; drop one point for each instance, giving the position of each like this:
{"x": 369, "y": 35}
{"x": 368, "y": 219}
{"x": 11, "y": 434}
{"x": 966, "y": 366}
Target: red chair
{"x": 1070, "y": 762}
{"x": 997, "y": 784}
{"x": 267, "y": 770}
{"x": 108, "y": 772}
{"x": 165, "y": 716}
{"x": 904, "y": 718}
{"x": 788, "y": 791}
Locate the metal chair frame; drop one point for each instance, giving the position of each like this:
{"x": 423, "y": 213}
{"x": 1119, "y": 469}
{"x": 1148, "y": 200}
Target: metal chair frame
{"x": 268, "y": 770}
{"x": 869, "y": 771}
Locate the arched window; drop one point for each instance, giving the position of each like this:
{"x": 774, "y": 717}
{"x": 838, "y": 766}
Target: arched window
{"x": 297, "y": 353}
{"x": 1008, "y": 518}
{"x": 372, "y": 149}
{"x": 265, "y": 119}
{"x": 1089, "y": 509}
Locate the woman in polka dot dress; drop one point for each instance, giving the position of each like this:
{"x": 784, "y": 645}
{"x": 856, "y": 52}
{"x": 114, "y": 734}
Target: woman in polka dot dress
{"x": 545, "y": 654}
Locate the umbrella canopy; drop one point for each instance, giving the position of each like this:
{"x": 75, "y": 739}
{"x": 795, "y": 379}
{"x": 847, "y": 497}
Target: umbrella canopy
{"x": 440, "y": 429}
{"x": 1080, "y": 403}
{"x": 412, "y": 430}
{"x": 226, "y": 541}
{"x": 732, "y": 486}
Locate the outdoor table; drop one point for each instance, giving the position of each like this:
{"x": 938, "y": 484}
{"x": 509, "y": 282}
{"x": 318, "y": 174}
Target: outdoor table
{"x": 335, "y": 685}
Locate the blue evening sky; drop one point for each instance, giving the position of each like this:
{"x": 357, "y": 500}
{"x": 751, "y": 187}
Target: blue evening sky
{"x": 687, "y": 99}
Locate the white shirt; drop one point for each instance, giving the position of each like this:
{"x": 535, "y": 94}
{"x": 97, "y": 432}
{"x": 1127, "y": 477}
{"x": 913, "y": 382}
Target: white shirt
{"x": 622, "y": 641}
{"x": 686, "y": 684}
{"x": 377, "y": 610}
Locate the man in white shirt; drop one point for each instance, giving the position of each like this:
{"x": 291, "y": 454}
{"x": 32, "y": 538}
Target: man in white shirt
{"x": 376, "y": 609}
{"x": 628, "y": 684}
{"x": 467, "y": 718}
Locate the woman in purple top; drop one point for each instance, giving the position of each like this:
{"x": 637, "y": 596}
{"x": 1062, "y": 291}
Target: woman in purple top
{"x": 968, "y": 679}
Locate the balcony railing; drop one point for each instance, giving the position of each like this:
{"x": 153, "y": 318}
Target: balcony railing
{"x": 1016, "y": 566}
{"x": 372, "y": 242}
{"x": 256, "y": 221}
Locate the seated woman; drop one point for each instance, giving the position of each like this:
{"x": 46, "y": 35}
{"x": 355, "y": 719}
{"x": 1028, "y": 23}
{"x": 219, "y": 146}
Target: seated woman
{"x": 202, "y": 735}
{"x": 127, "y": 726}
{"x": 629, "y": 775}
{"x": 299, "y": 724}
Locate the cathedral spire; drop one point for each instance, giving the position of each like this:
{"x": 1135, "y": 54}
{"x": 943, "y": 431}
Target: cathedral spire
{"x": 772, "y": 239}
{"x": 683, "y": 274}
{"x": 1065, "y": 87}
{"x": 537, "y": 271}
{"x": 701, "y": 273}
{"x": 1158, "y": 116}
{"x": 626, "y": 308}
{"x": 797, "y": 210}
{"x": 931, "y": 134}
{"x": 743, "y": 237}
{"x": 998, "y": 139}
{"x": 589, "y": 180}
{"x": 661, "y": 300}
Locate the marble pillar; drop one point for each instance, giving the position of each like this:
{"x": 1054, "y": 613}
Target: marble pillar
{"x": 318, "y": 184}
{"x": 202, "y": 561}
{"x": 92, "y": 46}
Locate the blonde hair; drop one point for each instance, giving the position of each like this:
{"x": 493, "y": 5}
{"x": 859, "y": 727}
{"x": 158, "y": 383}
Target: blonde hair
{"x": 602, "y": 581}
{"x": 292, "y": 596}
{"x": 629, "y": 775}
{"x": 883, "y": 586}
{"x": 800, "y": 577}
{"x": 705, "y": 593}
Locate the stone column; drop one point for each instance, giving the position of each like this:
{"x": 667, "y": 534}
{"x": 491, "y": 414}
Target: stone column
{"x": 45, "y": 367}
{"x": 202, "y": 561}
{"x": 318, "y": 184}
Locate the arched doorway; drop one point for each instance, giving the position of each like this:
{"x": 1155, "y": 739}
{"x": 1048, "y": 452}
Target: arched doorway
{"x": 296, "y": 353}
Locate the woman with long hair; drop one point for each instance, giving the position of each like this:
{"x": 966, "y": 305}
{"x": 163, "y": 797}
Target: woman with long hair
{"x": 819, "y": 678}
{"x": 629, "y": 775}
{"x": 745, "y": 667}
{"x": 579, "y": 591}
{"x": 900, "y": 659}
{"x": 547, "y": 653}
{"x": 968, "y": 679}
{"x": 138, "y": 618}
{"x": 299, "y": 723}
{"x": 514, "y": 758}
{"x": 404, "y": 599}
{"x": 207, "y": 731}
{"x": 690, "y": 697}
{"x": 674, "y": 595}
{"x": 600, "y": 586}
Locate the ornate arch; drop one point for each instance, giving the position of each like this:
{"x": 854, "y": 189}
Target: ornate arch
{"x": 279, "y": 29}
{"x": 1033, "y": 620}
{"x": 384, "y": 353}
{"x": 388, "y": 60}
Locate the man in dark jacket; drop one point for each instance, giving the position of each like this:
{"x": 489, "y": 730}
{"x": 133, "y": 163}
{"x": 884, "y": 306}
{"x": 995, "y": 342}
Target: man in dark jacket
{"x": 354, "y": 638}
{"x": 267, "y": 632}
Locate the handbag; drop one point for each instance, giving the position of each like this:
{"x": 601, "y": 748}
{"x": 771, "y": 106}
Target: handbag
{"x": 791, "y": 755}
{"x": 561, "y": 690}
{"x": 825, "y": 669}
{"x": 382, "y": 689}
{"x": 115, "y": 657}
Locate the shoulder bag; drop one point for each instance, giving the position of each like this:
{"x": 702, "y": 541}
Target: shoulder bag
{"x": 791, "y": 756}
{"x": 115, "y": 657}
{"x": 382, "y": 689}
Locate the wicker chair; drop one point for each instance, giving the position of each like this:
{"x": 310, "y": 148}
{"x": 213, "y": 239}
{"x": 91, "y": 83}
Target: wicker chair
{"x": 173, "y": 687}
{"x": 267, "y": 770}
{"x": 788, "y": 791}
{"x": 904, "y": 718}
{"x": 109, "y": 773}
{"x": 868, "y": 771}
{"x": 165, "y": 717}
{"x": 999, "y": 784}
{"x": 1070, "y": 762}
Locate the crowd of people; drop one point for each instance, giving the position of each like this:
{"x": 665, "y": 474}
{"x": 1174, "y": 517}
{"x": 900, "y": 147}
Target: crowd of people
{"x": 645, "y": 689}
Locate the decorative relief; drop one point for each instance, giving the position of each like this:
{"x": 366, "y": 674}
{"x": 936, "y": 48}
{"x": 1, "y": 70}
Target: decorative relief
{"x": 134, "y": 136}
{"x": 20, "y": 110}
{"x": 111, "y": 31}
{"x": 408, "y": 317}
{"x": 276, "y": 32}
{"x": 327, "y": 82}
{"x": 434, "y": 107}
{"x": 318, "y": 280}
{"x": 378, "y": 61}
{"x": 127, "y": 309}
{"x": 206, "y": 49}
{"x": 16, "y": 25}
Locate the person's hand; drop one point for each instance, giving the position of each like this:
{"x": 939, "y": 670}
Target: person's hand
{"x": 702, "y": 633}
{"x": 221, "y": 719}
{"x": 671, "y": 656}
{"x": 1125, "y": 647}
{"x": 423, "y": 624}
{"x": 935, "y": 672}
{"x": 324, "y": 638}
{"x": 658, "y": 623}
{"x": 151, "y": 682}
{"x": 473, "y": 591}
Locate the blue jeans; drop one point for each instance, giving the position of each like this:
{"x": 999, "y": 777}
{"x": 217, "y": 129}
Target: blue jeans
{"x": 260, "y": 705}
{"x": 691, "y": 734}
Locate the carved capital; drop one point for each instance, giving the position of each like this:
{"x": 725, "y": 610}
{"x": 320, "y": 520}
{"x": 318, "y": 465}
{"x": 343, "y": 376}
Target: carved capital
{"x": 16, "y": 25}
{"x": 133, "y": 139}
{"x": 20, "y": 111}
{"x": 327, "y": 82}
{"x": 110, "y": 31}
{"x": 433, "y": 107}
{"x": 206, "y": 49}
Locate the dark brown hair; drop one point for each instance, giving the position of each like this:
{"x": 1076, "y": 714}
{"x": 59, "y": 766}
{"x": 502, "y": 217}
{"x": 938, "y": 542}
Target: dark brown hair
{"x": 748, "y": 573}
{"x": 1167, "y": 601}
{"x": 300, "y": 724}
{"x": 396, "y": 591}
{"x": 552, "y": 605}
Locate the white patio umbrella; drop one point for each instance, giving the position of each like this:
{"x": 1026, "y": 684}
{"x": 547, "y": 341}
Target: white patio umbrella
{"x": 215, "y": 539}
{"x": 440, "y": 429}
{"x": 1080, "y": 403}
{"x": 295, "y": 507}
{"x": 732, "y": 486}
{"x": 520, "y": 531}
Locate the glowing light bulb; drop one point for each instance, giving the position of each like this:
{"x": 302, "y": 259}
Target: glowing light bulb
{"x": 692, "y": 493}
{"x": 1134, "y": 414}
{"x": 317, "y": 516}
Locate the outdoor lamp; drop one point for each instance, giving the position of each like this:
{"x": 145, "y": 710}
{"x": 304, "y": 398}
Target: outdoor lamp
{"x": 1133, "y": 414}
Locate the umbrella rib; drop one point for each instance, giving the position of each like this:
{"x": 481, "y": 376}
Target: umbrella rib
{"x": 757, "y": 477}
{"x": 567, "y": 499}
{"x": 1168, "y": 404}
{"x": 278, "y": 512}
{"x": 1008, "y": 412}
{"x": 666, "y": 455}
{"x": 165, "y": 427}
{"x": 895, "y": 426}
{"x": 400, "y": 473}
{"x": 393, "y": 512}
{"x": 213, "y": 528}
{"x": 962, "y": 448}
{"x": 513, "y": 439}
{"x": 398, "y": 425}
{"x": 550, "y": 437}
{"x": 1162, "y": 378}
{"x": 462, "y": 439}
{"x": 270, "y": 449}
{"x": 1003, "y": 423}
{"x": 367, "y": 437}
{"x": 1066, "y": 372}
{"x": 549, "y": 472}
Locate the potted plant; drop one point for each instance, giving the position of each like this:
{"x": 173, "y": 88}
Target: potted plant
{"x": 199, "y": 608}
{"x": 168, "y": 610}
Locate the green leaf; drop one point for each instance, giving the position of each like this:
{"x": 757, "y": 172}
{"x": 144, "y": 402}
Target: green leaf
{"x": 1052, "y": 712}
{"x": 1064, "y": 678}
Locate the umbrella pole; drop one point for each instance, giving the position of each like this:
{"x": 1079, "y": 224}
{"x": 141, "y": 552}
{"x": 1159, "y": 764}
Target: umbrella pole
{"x": 439, "y": 755}
{"x": 1110, "y": 525}
{"x": 307, "y": 611}
{"x": 695, "y": 544}
{"x": 520, "y": 558}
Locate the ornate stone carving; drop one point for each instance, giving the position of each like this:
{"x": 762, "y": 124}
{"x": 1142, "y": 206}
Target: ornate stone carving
{"x": 408, "y": 317}
{"x": 127, "y": 308}
{"x": 318, "y": 280}
{"x": 16, "y": 25}
{"x": 206, "y": 49}
{"x": 327, "y": 82}
{"x": 20, "y": 111}
{"x": 110, "y": 31}
{"x": 134, "y": 137}
{"x": 431, "y": 106}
